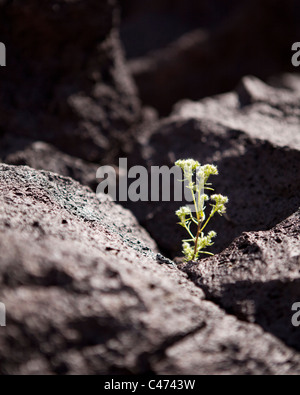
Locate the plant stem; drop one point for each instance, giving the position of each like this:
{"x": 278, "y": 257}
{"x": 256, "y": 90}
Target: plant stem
{"x": 209, "y": 218}
{"x": 196, "y": 241}
{"x": 190, "y": 233}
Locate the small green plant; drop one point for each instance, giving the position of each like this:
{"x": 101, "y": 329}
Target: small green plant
{"x": 196, "y": 177}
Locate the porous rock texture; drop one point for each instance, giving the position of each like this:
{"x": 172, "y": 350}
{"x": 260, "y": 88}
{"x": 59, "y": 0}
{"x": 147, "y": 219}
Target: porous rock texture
{"x": 253, "y": 135}
{"x": 257, "y": 278}
{"x": 86, "y": 293}
{"x": 248, "y": 37}
{"x": 66, "y": 82}
{"x": 43, "y": 156}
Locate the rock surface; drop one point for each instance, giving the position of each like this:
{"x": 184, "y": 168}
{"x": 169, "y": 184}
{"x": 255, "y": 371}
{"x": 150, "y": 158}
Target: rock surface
{"x": 85, "y": 287}
{"x": 257, "y": 278}
{"x": 66, "y": 82}
{"x": 43, "y": 156}
{"x": 152, "y": 24}
{"x": 255, "y": 38}
{"x": 253, "y": 136}
{"x": 85, "y": 294}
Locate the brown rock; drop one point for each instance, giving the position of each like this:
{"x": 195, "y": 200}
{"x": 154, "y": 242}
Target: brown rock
{"x": 253, "y": 136}
{"x": 85, "y": 294}
{"x": 257, "y": 278}
{"x": 43, "y": 156}
{"x": 255, "y": 38}
{"x": 65, "y": 81}
{"x": 152, "y": 24}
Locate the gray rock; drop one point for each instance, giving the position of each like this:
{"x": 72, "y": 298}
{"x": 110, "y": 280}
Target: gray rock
{"x": 255, "y": 108}
{"x": 85, "y": 295}
{"x": 171, "y": 18}
{"x": 66, "y": 82}
{"x": 257, "y": 278}
{"x": 253, "y": 135}
{"x": 43, "y": 156}
{"x": 234, "y": 348}
{"x": 254, "y": 38}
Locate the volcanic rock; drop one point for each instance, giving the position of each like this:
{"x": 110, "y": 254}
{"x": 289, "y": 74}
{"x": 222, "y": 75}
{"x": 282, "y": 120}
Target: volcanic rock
{"x": 66, "y": 82}
{"x": 85, "y": 293}
{"x": 255, "y": 38}
{"x": 253, "y": 135}
{"x": 257, "y": 278}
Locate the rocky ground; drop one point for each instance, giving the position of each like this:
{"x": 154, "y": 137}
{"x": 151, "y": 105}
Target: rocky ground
{"x": 86, "y": 292}
{"x": 206, "y": 46}
{"x": 253, "y": 136}
{"x": 90, "y": 287}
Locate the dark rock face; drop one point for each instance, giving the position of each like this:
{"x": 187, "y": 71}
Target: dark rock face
{"x": 85, "y": 294}
{"x": 253, "y": 136}
{"x": 43, "y": 156}
{"x": 86, "y": 288}
{"x": 255, "y": 38}
{"x": 65, "y": 82}
{"x": 257, "y": 278}
{"x": 152, "y": 24}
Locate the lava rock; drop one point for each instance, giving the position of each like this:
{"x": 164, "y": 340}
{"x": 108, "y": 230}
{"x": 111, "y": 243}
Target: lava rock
{"x": 152, "y": 24}
{"x": 85, "y": 295}
{"x": 257, "y": 278}
{"x": 43, "y": 156}
{"x": 253, "y": 136}
{"x": 255, "y": 38}
{"x": 66, "y": 82}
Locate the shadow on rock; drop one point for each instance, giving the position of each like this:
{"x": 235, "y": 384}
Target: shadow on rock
{"x": 268, "y": 304}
